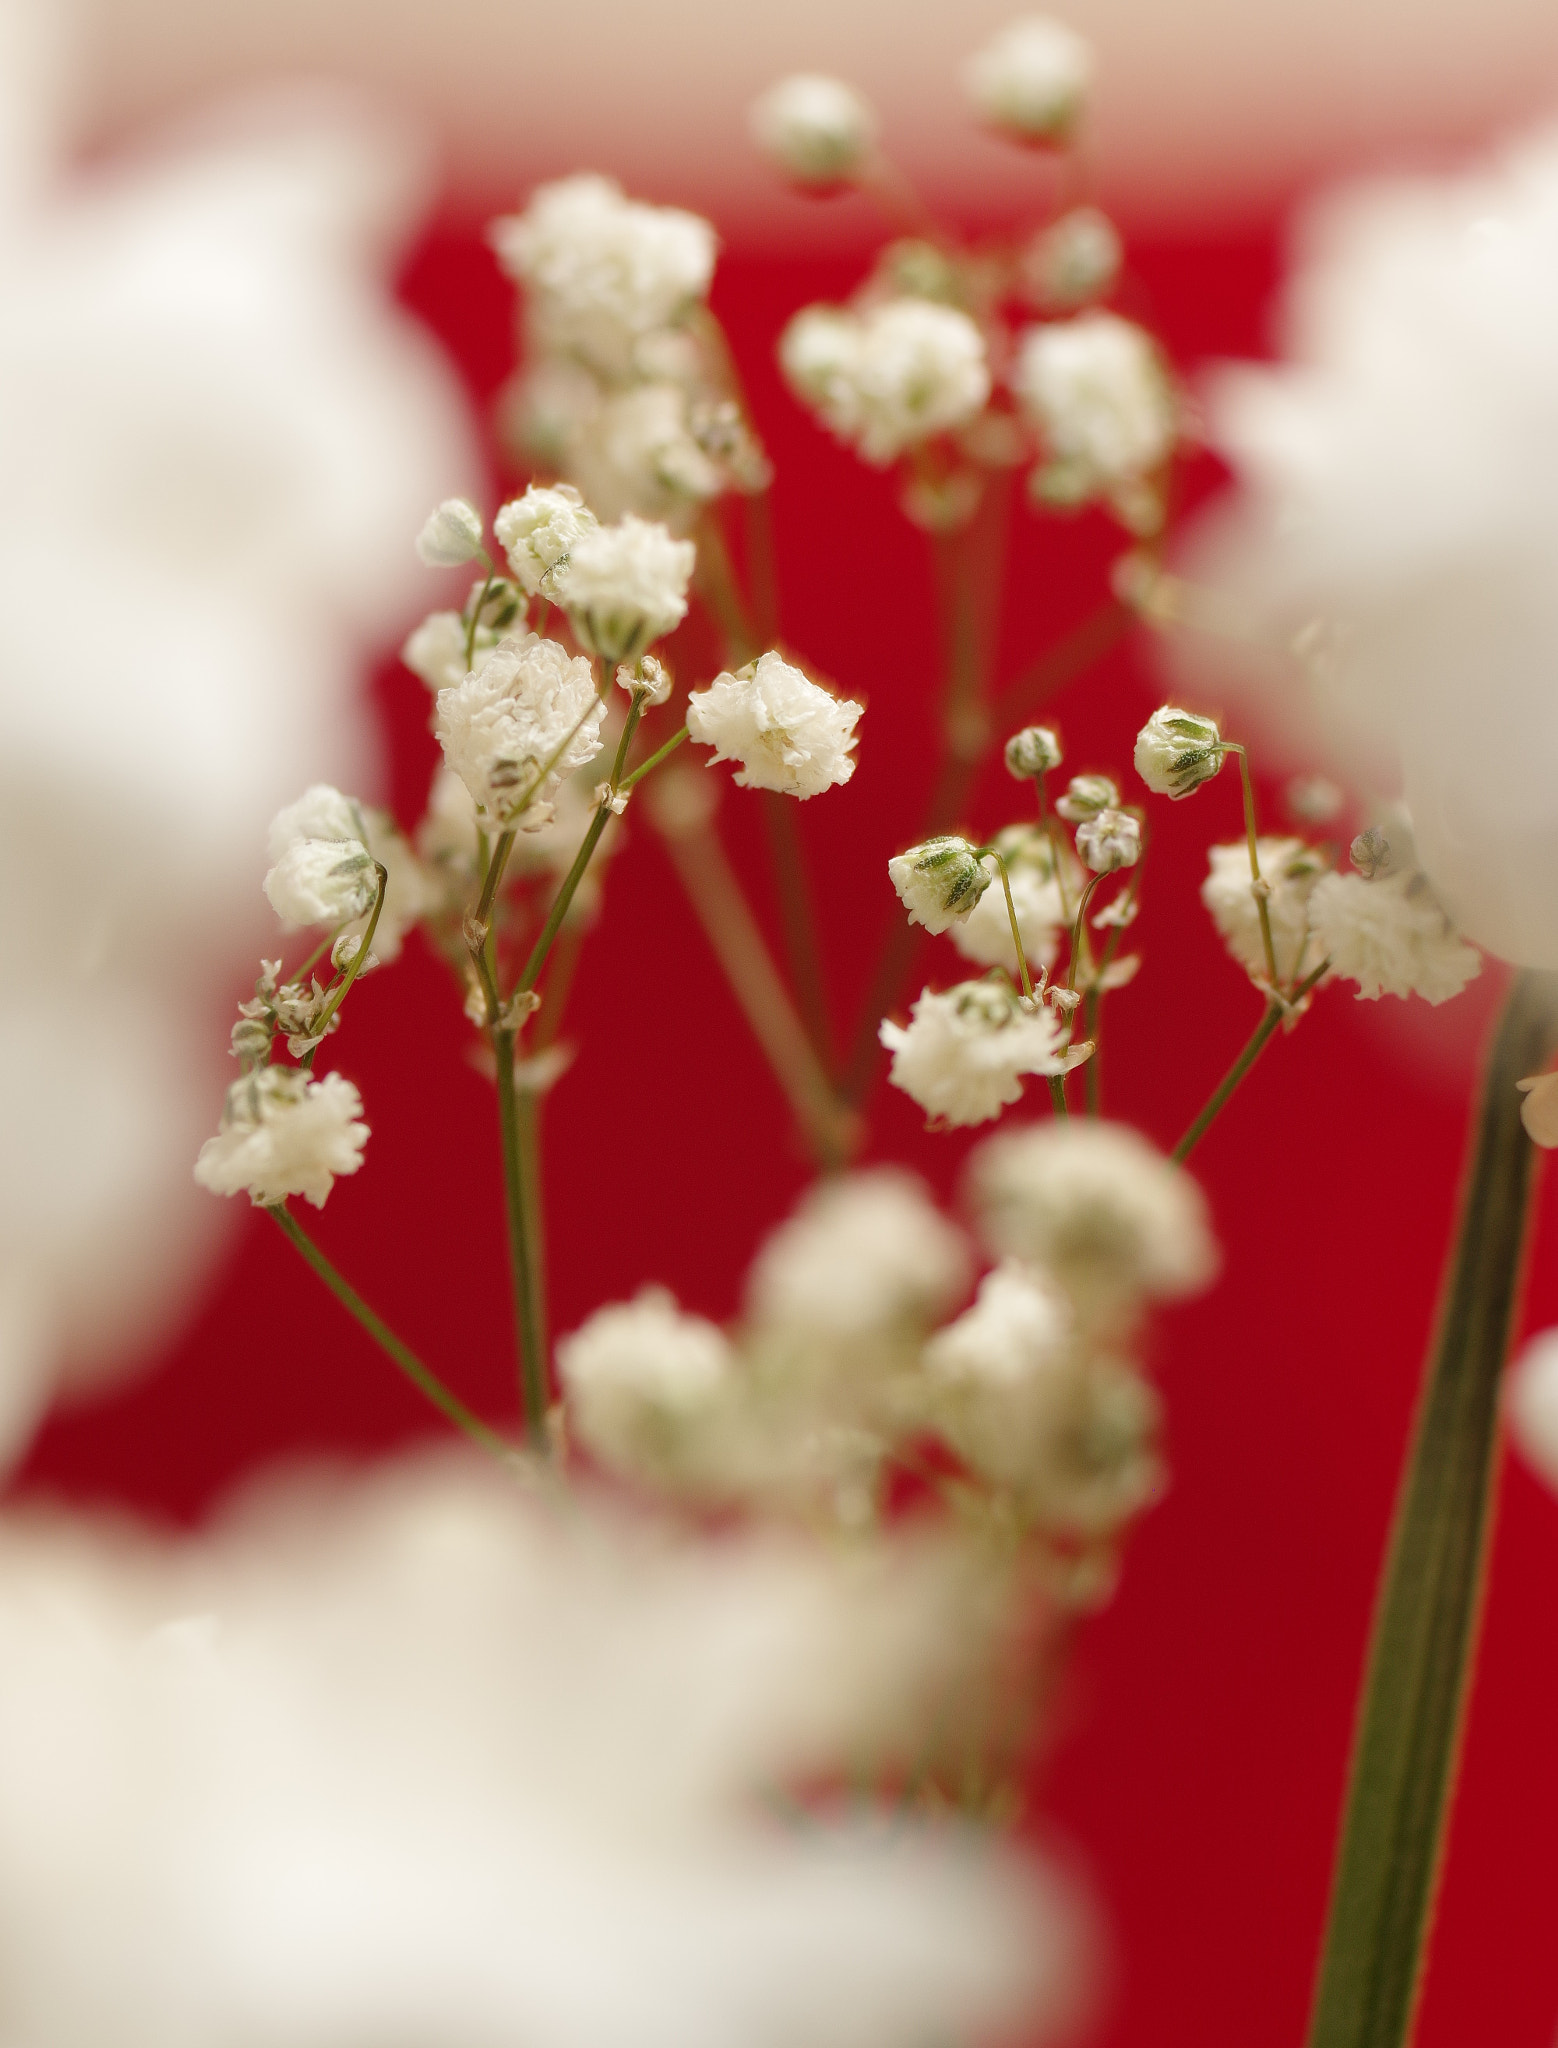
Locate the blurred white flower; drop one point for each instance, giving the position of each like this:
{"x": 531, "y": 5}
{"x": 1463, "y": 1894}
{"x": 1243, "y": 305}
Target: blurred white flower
{"x": 787, "y": 732}
{"x": 1097, "y": 389}
{"x": 865, "y": 1252}
{"x": 890, "y": 376}
{"x": 218, "y": 432}
{"x": 964, "y": 1050}
{"x": 1391, "y": 936}
{"x": 634, "y": 1371}
{"x": 284, "y": 1133}
{"x": 1531, "y": 1403}
{"x": 817, "y": 130}
{"x": 1399, "y": 486}
{"x": 431, "y": 1759}
{"x": 451, "y": 534}
{"x": 1074, "y": 259}
{"x": 1291, "y": 869}
{"x": 1031, "y": 80}
{"x": 1044, "y": 897}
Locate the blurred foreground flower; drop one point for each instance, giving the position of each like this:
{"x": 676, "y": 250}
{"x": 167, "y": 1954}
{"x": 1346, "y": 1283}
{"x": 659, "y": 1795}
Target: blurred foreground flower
{"x": 217, "y": 433}
{"x": 430, "y": 1758}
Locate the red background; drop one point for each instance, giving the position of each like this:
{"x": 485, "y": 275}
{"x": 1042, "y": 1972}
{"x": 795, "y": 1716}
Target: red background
{"x": 1197, "y": 1767}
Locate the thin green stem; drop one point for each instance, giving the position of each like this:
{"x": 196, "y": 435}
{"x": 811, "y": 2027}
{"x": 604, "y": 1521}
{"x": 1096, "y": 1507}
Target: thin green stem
{"x": 1255, "y": 1045}
{"x": 359, "y": 958}
{"x": 473, "y": 624}
{"x": 1425, "y": 1625}
{"x": 660, "y": 754}
{"x": 1057, "y": 1095}
{"x": 1078, "y": 930}
{"x": 1011, "y": 913}
{"x": 529, "y": 1334}
{"x": 427, "y": 1383}
{"x": 1257, "y": 887}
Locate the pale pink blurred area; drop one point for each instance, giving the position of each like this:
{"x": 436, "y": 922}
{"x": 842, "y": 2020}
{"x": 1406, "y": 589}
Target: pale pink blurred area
{"x": 1208, "y": 110}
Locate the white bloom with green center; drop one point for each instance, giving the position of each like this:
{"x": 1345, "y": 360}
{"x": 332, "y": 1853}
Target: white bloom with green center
{"x": 1097, "y": 390}
{"x": 1109, "y": 841}
{"x": 940, "y": 881}
{"x": 818, "y": 131}
{"x": 1086, "y": 796}
{"x": 322, "y": 881}
{"x": 891, "y": 377}
{"x": 1031, "y": 81}
{"x": 964, "y": 1051}
{"x": 636, "y": 1374}
{"x": 1075, "y": 259}
{"x": 787, "y": 732}
{"x": 283, "y": 1133}
{"x": 865, "y": 1252}
{"x": 1176, "y": 751}
{"x": 624, "y": 586}
{"x": 1019, "y": 1325}
{"x": 452, "y": 534}
{"x": 1391, "y": 936}
{"x": 515, "y": 727}
{"x": 539, "y": 531}
{"x": 1032, "y": 752}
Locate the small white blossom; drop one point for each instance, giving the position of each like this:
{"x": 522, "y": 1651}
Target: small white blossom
{"x": 638, "y": 452}
{"x": 1039, "y": 896}
{"x": 1098, "y": 1206}
{"x": 940, "y": 881}
{"x": 602, "y": 270}
{"x": 284, "y": 1133}
{"x": 964, "y": 1049}
{"x": 538, "y": 532}
{"x": 435, "y": 650}
{"x": 647, "y": 679}
{"x": 1031, "y": 80}
{"x": 636, "y": 1372}
{"x": 1539, "y": 1111}
{"x": 321, "y": 812}
{"x": 451, "y": 536}
{"x": 1531, "y": 1403}
{"x": 787, "y": 732}
{"x": 890, "y": 377}
{"x": 1086, "y": 796}
{"x": 1075, "y": 259}
{"x": 1018, "y": 1325}
{"x": 624, "y": 586}
{"x": 1109, "y": 840}
{"x": 322, "y": 881}
{"x": 517, "y": 725}
{"x": 1097, "y": 390}
{"x": 817, "y": 130}
{"x": 1032, "y": 752}
{"x": 865, "y": 1252}
{"x": 1391, "y": 936}
{"x": 1291, "y": 869}
{"x": 1176, "y": 751}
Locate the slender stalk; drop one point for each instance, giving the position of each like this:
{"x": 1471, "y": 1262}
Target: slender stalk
{"x": 1057, "y": 1095}
{"x": 733, "y": 932}
{"x": 1011, "y": 913}
{"x": 474, "y": 622}
{"x": 1255, "y": 1045}
{"x": 1257, "y": 887}
{"x": 1079, "y": 930}
{"x": 529, "y": 1335}
{"x": 582, "y": 859}
{"x": 426, "y": 1382}
{"x": 660, "y": 754}
{"x": 1424, "y": 1633}
{"x": 359, "y": 961}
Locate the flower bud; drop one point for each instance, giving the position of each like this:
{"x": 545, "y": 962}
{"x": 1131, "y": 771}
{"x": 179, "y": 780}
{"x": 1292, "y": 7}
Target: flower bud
{"x": 1176, "y": 751}
{"x": 818, "y": 131}
{"x": 1032, "y": 752}
{"x": 251, "y": 1040}
{"x": 648, "y": 678}
{"x": 1030, "y": 82}
{"x": 939, "y": 881}
{"x": 1371, "y": 853}
{"x": 1085, "y": 797}
{"x": 1109, "y": 840}
{"x": 1073, "y": 261}
{"x": 451, "y": 536}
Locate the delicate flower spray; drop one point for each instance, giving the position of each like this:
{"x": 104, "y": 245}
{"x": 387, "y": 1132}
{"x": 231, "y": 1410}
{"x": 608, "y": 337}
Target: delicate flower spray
{"x": 1024, "y": 1415}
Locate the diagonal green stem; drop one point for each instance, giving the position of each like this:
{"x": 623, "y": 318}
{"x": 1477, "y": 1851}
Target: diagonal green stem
{"x": 519, "y": 1195}
{"x": 1255, "y": 1045}
{"x": 1425, "y": 1622}
{"x": 427, "y": 1383}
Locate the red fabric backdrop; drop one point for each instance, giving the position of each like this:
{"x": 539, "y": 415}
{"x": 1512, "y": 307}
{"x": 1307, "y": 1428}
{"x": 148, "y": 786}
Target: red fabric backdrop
{"x": 1198, "y": 1762}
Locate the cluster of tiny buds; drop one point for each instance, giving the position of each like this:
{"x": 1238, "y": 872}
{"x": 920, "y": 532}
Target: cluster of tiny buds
{"x": 1032, "y": 752}
{"x": 648, "y": 679}
{"x": 1371, "y": 853}
{"x": 292, "y": 1008}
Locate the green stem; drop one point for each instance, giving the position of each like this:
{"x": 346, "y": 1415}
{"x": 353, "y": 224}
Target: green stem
{"x": 1425, "y": 1623}
{"x": 1011, "y": 913}
{"x": 582, "y": 858}
{"x": 1256, "y": 888}
{"x": 359, "y": 959}
{"x": 427, "y": 1383}
{"x": 529, "y": 1335}
{"x": 474, "y": 622}
{"x": 1057, "y": 1095}
{"x": 1254, "y": 1047}
{"x": 660, "y": 754}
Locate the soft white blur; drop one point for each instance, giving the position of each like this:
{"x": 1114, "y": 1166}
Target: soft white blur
{"x": 1397, "y": 521}
{"x": 1205, "y": 109}
{"x": 217, "y": 440}
{"x": 422, "y": 1758}
{"x": 1531, "y": 1404}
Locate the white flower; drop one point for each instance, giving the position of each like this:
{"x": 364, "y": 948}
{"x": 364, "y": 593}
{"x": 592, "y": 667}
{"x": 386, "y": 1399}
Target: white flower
{"x": 322, "y": 881}
{"x": 1176, "y": 751}
{"x": 1291, "y": 869}
{"x": 637, "y": 452}
{"x": 435, "y": 650}
{"x": 893, "y": 376}
{"x": 1531, "y": 1403}
{"x": 964, "y": 1048}
{"x": 1042, "y": 905}
{"x": 603, "y": 270}
{"x": 452, "y": 534}
{"x": 1085, "y": 797}
{"x": 517, "y": 725}
{"x": 625, "y": 586}
{"x": 429, "y": 1758}
{"x": 818, "y": 131}
{"x": 1399, "y": 485}
{"x": 1098, "y": 1206}
{"x": 539, "y": 531}
{"x": 321, "y": 812}
{"x": 1075, "y": 259}
{"x": 787, "y": 732}
{"x": 1031, "y": 81}
{"x": 636, "y": 1373}
{"x": 1018, "y": 1326}
{"x": 940, "y": 881}
{"x": 1032, "y": 752}
{"x": 1109, "y": 840}
{"x": 862, "y": 1253}
{"x": 1391, "y": 936}
{"x": 1097, "y": 390}
{"x": 1539, "y": 1111}
{"x": 284, "y": 1133}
